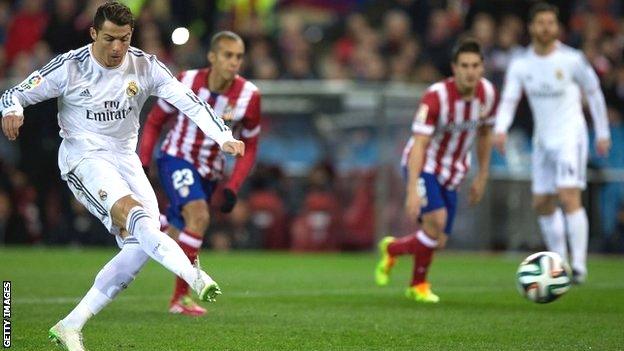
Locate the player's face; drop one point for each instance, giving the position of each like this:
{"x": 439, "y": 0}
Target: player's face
{"x": 228, "y": 58}
{"x": 110, "y": 43}
{"x": 545, "y": 28}
{"x": 468, "y": 70}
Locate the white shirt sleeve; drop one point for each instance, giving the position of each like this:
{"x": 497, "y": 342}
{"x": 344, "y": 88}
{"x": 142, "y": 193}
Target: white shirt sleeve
{"x": 41, "y": 85}
{"x": 177, "y": 94}
{"x": 587, "y": 79}
{"x": 512, "y": 92}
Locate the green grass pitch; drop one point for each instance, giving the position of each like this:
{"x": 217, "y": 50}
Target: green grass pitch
{"x": 284, "y": 301}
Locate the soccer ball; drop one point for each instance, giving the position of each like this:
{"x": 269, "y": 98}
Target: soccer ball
{"x": 543, "y": 277}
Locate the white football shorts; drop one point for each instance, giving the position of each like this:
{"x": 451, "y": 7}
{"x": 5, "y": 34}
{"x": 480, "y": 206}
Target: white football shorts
{"x": 103, "y": 177}
{"x": 561, "y": 167}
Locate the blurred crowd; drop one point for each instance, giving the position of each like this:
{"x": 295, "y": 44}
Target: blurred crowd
{"x": 363, "y": 40}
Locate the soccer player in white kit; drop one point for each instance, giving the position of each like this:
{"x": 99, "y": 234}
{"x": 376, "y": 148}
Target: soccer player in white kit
{"x": 553, "y": 75}
{"x": 101, "y": 89}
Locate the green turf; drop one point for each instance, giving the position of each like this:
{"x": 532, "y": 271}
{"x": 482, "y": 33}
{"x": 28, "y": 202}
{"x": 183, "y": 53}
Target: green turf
{"x": 317, "y": 302}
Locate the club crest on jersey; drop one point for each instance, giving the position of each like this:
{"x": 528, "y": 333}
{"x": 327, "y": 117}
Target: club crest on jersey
{"x": 184, "y": 191}
{"x": 132, "y": 89}
{"x": 559, "y": 74}
{"x": 103, "y": 195}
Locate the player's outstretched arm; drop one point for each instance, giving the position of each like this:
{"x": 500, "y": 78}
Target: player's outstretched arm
{"x": 40, "y": 85}
{"x": 181, "y": 97}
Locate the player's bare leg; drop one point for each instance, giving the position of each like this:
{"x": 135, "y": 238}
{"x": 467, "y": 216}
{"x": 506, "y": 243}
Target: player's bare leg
{"x": 578, "y": 231}
{"x": 196, "y": 219}
{"x": 551, "y": 222}
{"x": 128, "y": 213}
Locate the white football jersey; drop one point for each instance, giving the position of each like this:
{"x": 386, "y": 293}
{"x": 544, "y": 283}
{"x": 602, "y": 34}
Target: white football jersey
{"x": 553, "y": 85}
{"x": 98, "y": 107}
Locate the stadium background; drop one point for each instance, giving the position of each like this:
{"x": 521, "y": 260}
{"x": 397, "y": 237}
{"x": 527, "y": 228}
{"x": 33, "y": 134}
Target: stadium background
{"x": 340, "y": 83}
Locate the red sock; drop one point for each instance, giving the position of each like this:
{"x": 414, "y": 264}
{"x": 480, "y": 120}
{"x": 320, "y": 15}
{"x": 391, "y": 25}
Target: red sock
{"x": 424, "y": 248}
{"x": 190, "y": 244}
{"x": 403, "y": 246}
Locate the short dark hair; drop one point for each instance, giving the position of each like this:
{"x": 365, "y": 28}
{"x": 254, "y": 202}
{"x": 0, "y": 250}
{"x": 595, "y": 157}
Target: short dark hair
{"x": 467, "y": 45}
{"x": 225, "y": 34}
{"x": 542, "y": 7}
{"x": 115, "y": 12}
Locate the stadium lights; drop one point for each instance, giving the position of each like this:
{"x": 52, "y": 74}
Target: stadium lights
{"x": 180, "y": 36}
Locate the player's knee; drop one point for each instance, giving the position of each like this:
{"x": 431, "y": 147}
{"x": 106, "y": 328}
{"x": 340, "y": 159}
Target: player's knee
{"x": 570, "y": 200}
{"x": 434, "y": 228}
{"x": 121, "y": 208}
{"x": 543, "y": 205}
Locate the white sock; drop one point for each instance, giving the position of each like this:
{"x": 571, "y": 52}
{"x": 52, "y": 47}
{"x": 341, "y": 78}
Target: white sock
{"x": 159, "y": 245}
{"x": 553, "y": 231}
{"x": 578, "y": 234}
{"x": 115, "y": 276}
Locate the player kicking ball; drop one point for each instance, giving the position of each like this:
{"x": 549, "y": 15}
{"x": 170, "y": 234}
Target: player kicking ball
{"x": 190, "y": 163}
{"x": 452, "y": 113}
{"x": 101, "y": 89}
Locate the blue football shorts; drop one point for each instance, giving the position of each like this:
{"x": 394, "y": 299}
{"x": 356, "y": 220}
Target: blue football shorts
{"x": 433, "y": 196}
{"x": 182, "y": 184}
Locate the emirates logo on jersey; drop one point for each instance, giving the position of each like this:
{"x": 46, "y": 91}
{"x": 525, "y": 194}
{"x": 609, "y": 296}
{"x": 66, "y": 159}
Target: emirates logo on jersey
{"x": 132, "y": 89}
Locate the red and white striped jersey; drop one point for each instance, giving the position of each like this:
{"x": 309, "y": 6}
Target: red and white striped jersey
{"x": 239, "y": 106}
{"x": 452, "y": 123}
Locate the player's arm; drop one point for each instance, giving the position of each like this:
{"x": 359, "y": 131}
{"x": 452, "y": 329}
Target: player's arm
{"x": 423, "y": 127}
{"x": 484, "y": 147}
{"x": 587, "y": 79}
{"x": 177, "y": 94}
{"x": 249, "y": 135}
{"x": 152, "y": 128}
{"x": 512, "y": 92}
{"x": 41, "y": 85}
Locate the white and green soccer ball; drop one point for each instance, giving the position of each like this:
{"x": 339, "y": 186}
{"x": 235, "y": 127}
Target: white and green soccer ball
{"x": 543, "y": 277}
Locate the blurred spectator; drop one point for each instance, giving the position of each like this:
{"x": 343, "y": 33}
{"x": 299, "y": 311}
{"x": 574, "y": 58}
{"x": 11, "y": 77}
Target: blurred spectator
{"x": 318, "y": 226}
{"x": 25, "y": 28}
{"x": 60, "y": 33}
{"x": 498, "y": 58}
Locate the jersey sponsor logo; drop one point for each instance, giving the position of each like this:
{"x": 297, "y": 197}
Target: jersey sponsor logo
{"x": 31, "y": 82}
{"x": 111, "y": 112}
{"x": 421, "y": 114}
{"x": 132, "y": 89}
{"x": 460, "y": 127}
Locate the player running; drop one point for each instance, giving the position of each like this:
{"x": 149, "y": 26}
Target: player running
{"x": 190, "y": 163}
{"x": 101, "y": 89}
{"x": 436, "y": 158}
{"x": 552, "y": 76}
